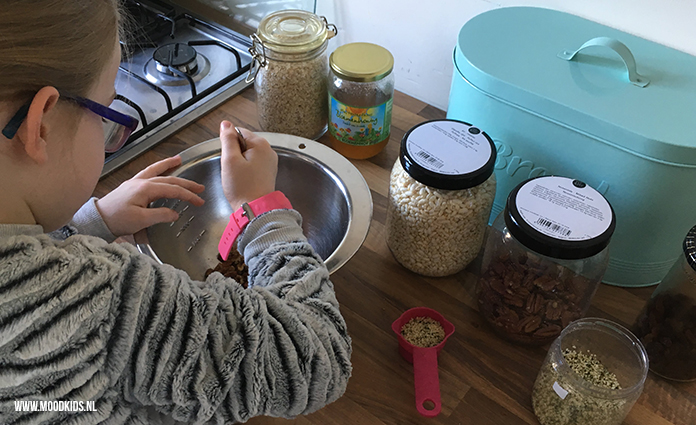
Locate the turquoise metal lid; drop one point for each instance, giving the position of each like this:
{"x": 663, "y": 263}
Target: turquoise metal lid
{"x": 519, "y": 55}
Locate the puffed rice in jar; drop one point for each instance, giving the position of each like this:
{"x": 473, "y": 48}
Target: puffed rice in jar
{"x": 289, "y": 69}
{"x": 441, "y": 192}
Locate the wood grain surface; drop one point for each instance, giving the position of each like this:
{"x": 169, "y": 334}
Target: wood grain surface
{"x": 483, "y": 379}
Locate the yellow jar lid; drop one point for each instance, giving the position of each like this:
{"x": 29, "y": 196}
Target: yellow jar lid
{"x": 292, "y": 31}
{"x": 362, "y": 62}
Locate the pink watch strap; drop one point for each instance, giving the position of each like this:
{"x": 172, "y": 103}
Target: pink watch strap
{"x": 240, "y": 218}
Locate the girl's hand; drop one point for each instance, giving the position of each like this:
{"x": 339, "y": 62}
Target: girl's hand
{"x": 249, "y": 175}
{"x": 125, "y": 210}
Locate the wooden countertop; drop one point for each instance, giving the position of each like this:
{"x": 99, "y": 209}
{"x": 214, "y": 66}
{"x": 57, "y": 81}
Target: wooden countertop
{"x": 483, "y": 379}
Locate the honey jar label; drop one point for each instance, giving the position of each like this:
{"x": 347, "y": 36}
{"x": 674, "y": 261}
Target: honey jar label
{"x": 359, "y": 126}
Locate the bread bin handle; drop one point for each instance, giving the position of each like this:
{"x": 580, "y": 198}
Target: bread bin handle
{"x": 618, "y": 47}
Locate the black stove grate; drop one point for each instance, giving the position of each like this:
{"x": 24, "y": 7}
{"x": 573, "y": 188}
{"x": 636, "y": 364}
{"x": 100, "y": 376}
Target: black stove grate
{"x": 148, "y": 22}
{"x": 153, "y": 19}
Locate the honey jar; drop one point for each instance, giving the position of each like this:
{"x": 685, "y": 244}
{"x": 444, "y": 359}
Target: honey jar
{"x": 361, "y": 90}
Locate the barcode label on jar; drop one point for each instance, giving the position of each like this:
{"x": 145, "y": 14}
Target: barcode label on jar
{"x": 449, "y": 147}
{"x": 562, "y": 392}
{"x": 431, "y": 160}
{"x": 563, "y": 208}
{"x": 562, "y": 230}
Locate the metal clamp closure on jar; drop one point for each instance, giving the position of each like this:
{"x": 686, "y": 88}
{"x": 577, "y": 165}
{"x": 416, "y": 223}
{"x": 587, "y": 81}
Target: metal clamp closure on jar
{"x": 262, "y": 45}
{"x": 258, "y": 58}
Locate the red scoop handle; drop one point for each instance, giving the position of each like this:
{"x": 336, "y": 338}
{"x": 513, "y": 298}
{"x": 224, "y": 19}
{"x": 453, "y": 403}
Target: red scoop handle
{"x": 427, "y": 381}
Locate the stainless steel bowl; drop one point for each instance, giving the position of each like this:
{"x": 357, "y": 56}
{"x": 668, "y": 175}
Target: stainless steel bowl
{"x": 328, "y": 191}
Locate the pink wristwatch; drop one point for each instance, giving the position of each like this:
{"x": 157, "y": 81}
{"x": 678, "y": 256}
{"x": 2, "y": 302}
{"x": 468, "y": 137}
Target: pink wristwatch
{"x": 240, "y": 218}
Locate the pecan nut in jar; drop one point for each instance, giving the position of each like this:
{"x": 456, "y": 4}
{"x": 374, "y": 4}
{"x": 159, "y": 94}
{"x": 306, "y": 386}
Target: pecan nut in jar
{"x": 544, "y": 297}
{"x": 536, "y": 275}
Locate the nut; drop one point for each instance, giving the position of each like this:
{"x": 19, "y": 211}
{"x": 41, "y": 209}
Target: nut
{"x": 667, "y": 328}
{"x": 545, "y": 282}
{"x": 529, "y": 324}
{"x": 544, "y": 296}
{"x": 498, "y": 286}
{"x": 554, "y": 309}
{"x": 534, "y": 303}
{"x": 548, "y": 331}
{"x": 234, "y": 267}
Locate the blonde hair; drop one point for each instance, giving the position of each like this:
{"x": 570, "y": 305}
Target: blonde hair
{"x": 61, "y": 43}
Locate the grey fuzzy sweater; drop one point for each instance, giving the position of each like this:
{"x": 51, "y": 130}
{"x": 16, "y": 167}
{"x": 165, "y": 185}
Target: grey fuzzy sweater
{"x": 84, "y": 319}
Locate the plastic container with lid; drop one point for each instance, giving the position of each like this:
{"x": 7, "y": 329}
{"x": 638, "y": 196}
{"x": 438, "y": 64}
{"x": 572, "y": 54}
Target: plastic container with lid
{"x": 593, "y": 374}
{"x": 361, "y": 91}
{"x": 289, "y": 71}
{"x": 440, "y": 194}
{"x": 544, "y": 258}
{"x": 667, "y": 324}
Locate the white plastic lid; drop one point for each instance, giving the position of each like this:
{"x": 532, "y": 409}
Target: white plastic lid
{"x": 448, "y": 154}
{"x": 560, "y": 217}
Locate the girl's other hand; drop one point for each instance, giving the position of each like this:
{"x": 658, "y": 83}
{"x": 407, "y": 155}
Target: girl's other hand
{"x": 125, "y": 209}
{"x": 249, "y": 175}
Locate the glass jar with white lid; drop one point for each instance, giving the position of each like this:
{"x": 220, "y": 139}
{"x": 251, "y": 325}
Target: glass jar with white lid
{"x": 441, "y": 192}
{"x": 544, "y": 258}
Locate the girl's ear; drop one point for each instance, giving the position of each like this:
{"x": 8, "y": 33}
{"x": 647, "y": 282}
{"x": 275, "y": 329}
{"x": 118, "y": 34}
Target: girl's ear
{"x": 33, "y": 130}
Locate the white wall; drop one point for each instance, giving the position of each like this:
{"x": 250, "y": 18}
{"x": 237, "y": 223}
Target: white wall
{"x": 421, "y": 34}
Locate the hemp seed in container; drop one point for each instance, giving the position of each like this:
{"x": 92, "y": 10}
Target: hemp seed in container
{"x": 545, "y": 256}
{"x": 440, "y": 196}
{"x": 289, "y": 69}
{"x": 593, "y": 374}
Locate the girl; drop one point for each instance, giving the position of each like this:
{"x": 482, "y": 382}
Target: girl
{"x": 86, "y": 319}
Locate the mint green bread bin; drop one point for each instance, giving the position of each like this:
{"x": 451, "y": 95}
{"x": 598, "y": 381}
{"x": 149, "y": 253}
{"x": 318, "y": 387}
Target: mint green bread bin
{"x": 619, "y": 114}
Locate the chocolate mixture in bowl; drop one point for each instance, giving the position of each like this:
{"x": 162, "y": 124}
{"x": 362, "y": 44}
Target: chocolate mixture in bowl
{"x": 233, "y": 267}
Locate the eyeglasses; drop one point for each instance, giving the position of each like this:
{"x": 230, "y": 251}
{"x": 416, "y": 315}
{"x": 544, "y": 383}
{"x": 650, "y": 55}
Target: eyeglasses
{"x": 117, "y": 126}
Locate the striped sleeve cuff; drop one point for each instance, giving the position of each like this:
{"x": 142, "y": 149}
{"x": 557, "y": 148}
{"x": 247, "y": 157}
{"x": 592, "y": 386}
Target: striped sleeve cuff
{"x": 269, "y": 228}
{"x": 88, "y": 221}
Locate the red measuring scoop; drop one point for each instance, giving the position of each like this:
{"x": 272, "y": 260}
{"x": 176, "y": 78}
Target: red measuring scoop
{"x": 425, "y": 373}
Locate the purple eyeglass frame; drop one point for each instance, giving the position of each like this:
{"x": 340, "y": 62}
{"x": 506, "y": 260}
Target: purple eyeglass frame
{"x": 129, "y": 123}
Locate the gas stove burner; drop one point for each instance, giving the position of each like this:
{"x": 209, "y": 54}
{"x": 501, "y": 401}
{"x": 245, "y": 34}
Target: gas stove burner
{"x": 176, "y": 55}
{"x": 177, "y": 68}
{"x": 199, "y": 68}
